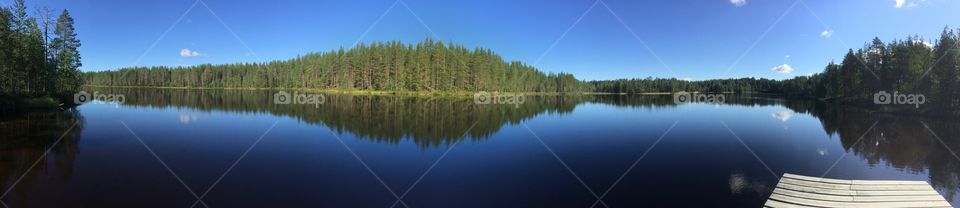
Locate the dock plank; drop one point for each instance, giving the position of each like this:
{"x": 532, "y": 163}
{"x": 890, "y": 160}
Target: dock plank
{"x": 807, "y": 191}
{"x": 854, "y": 193}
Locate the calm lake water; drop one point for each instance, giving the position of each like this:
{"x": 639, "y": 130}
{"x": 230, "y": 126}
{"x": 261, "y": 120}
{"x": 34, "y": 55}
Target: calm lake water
{"x": 367, "y": 151}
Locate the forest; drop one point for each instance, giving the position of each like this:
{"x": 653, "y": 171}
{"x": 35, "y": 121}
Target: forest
{"x": 653, "y": 85}
{"x": 382, "y": 66}
{"x": 911, "y": 65}
{"x": 908, "y": 66}
{"x": 38, "y": 54}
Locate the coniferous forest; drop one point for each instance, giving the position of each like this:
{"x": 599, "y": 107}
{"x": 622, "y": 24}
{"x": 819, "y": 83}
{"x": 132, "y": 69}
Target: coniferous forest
{"x": 384, "y": 66}
{"x": 912, "y": 65}
{"x": 908, "y": 65}
{"x": 38, "y": 54}
{"x": 40, "y": 58}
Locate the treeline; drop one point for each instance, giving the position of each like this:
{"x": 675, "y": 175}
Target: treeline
{"x": 38, "y": 54}
{"x": 649, "y": 84}
{"x": 908, "y": 66}
{"x": 911, "y": 65}
{"x": 388, "y": 66}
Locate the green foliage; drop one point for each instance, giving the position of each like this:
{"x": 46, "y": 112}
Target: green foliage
{"x": 21, "y": 104}
{"x": 944, "y": 73}
{"x": 30, "y": 66}
{"x": 67, "y": 57}
{"x": 651, "y": 85}
{"x": 910, "y": 66}
{"x": 384, "y": 66}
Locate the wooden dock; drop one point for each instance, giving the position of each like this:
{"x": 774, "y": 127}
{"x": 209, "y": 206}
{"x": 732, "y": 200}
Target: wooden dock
{"x": 805, "y": 191}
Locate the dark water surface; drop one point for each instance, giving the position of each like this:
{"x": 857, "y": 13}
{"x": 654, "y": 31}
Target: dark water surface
{"x": 702, "y": 155}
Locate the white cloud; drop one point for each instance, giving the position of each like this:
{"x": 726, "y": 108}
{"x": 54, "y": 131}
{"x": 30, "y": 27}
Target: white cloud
{"x": 785, "y": 69}
{"x": 826, "y": 33}
{"x": 782, "y": 115}
{"x": 908, "y": 3}
{"x": 738, "y": 182}
{"x": 186, "y": 52}
{"x": 925, "y": 43}
{"x": 899, "y": 3}
{"x": 738, "y": 3}
{"x": 687, "y": 79}
{"x": 191, "y": 118}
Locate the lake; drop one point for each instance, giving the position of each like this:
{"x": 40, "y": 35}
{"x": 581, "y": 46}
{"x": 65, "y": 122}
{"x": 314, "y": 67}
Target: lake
{"x": 233, "y": 148}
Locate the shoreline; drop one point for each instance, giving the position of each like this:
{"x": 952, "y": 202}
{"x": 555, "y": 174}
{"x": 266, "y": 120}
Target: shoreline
{"x": 380, "y": 92}
{"x": 15, "y": 105}
{"x": 12, "y": 105}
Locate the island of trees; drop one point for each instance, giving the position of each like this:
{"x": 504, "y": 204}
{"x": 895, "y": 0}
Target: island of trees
{"x": 39, "y": 61}
{"x": 380, "y": 66}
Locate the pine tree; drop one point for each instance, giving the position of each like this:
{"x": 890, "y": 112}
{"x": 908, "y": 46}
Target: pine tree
{"x": 7, "y": 73}
{"x": 850, "y": 75}
{"x": 944, "y": 71}
{"x": 66, "y": 47}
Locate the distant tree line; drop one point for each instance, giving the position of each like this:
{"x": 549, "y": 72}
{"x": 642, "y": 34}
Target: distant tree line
{"x": 389, "y": 66}
{"x": 911, "y": 65}
{"x": 649, "y": 84}
{"x": 38, "y": 54}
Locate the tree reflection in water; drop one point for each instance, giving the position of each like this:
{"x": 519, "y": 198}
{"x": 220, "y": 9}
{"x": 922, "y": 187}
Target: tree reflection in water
{"x": 899, "y": 141}
{"x": 25, "y": 139}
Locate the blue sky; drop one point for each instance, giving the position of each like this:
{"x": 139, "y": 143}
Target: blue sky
{"x": 695, "y": 39}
